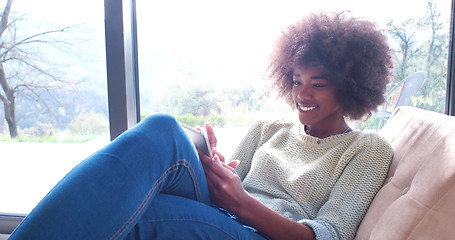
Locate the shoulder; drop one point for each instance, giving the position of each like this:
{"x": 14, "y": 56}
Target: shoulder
{"x": 375, "y": 141}
{"x": 372, "y": 148}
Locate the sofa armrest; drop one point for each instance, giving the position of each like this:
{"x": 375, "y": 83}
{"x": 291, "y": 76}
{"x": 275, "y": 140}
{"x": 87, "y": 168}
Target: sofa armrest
{"x": 417, "y": 200}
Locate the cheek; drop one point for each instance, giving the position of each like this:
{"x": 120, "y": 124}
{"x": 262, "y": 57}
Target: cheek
{"x": 332, "y": 102}
{"x": 294, "y": 92}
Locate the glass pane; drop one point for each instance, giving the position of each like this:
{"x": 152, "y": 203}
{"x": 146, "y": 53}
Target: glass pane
{"x": 54, "y": 62}
{"x": 205, "y": 60}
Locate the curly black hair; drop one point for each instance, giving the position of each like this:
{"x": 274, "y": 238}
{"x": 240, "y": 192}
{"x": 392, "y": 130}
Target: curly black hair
{"x": 350, "y": 52}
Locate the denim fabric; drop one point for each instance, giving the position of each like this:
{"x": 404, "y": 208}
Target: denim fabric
{"x": 146, "y": 184}
{"x": 183, "y": 218}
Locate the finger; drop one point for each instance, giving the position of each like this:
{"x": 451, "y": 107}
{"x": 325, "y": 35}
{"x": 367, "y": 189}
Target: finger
{"x": 213, "y": 179}
{"x": 210, "y": 135}
{"x": 215, "y": 152}
{"x": 204, "y": 157}
{"x": 212, "y": 163}
{"x": 233, "y": 164}
{"x": 230, "y": 166}
{"x": 215, "y": 165}
{"x": 221, "y": 169}
{"x": 210, "y": 176}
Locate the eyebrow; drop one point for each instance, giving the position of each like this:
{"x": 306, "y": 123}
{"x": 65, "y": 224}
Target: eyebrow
{"x": 317, "y": 77}
{"x": 312, "y": 77}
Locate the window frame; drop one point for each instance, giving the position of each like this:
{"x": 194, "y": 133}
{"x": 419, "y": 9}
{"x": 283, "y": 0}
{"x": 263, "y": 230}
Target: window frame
{"x": 450, "y": 87}
{"x": 122, "y": 65}
{"x": 122, "y": 79}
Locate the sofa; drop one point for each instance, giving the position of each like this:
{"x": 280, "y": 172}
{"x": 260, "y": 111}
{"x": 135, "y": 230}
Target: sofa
{"x": 417, "y": 200}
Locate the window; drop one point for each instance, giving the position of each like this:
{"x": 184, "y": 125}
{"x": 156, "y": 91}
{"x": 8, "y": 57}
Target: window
{"x": 202, "y": 35}
{"x": 59, "y": 79}
{"x": 202, "y": 60}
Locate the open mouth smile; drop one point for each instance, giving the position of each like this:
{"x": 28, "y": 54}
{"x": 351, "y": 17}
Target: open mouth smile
{"x": 305, "y": 108}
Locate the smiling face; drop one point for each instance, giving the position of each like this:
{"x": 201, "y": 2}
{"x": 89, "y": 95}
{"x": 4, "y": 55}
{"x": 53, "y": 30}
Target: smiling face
{"x": 315, "y": 98}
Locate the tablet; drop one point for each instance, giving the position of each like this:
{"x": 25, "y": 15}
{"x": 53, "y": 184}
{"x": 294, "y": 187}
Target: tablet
{"x": 199, "y": 139}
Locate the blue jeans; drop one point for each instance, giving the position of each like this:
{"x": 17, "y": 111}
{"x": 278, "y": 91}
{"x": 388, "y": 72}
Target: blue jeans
{"x": 146, "y": 184}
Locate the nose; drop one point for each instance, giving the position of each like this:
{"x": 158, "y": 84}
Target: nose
{"x": 304, "y": 92}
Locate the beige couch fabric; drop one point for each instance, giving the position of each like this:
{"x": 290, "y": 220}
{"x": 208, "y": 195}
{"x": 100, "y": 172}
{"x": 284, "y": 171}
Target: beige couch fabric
{"x": 417, "y": 200}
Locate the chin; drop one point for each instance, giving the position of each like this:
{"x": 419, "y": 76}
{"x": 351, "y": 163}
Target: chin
{"x": 304, "y": 121}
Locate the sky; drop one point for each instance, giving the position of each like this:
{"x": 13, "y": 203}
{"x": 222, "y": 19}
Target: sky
{"x": 226, "y": 40}
{"x": 270, "y": 14}
{"x": 264, "y": 17}
{"x": 196, "y": 33}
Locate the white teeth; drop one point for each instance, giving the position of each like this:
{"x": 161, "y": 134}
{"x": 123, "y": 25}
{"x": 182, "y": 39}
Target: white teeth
{"x": 307, "y": 108}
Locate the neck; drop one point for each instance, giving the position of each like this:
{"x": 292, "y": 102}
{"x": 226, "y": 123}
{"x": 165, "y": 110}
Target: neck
{"x": 323, "y": 133}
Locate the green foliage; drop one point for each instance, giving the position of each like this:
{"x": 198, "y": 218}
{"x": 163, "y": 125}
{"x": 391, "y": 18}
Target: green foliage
{"x": 371, "y": 124}
{"x": 198, "y": 100}
{"x": 206, "y": 100}
{"x": 194, "y": 121}
{"x": 48, "y": 139}
{"x": 88, "y": 124}
{"x": 422, "y": 100}
{"x": 422, "y": 45}
{"x": 249, "y": 99}
{"x": 85, "y": 127}
{"x": 40, "y": 130}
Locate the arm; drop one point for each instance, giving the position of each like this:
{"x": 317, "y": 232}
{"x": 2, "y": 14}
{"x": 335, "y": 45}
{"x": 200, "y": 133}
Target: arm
{"x": 245, "y": 151}
{"x": 227, "y": 192}
{"x": 365, "y": 167}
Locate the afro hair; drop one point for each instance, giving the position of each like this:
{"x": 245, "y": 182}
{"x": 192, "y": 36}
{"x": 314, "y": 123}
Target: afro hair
{"x": 350, "y": 52}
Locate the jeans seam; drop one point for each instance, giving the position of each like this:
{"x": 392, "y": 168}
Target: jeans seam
{"x": 144, "y": 202}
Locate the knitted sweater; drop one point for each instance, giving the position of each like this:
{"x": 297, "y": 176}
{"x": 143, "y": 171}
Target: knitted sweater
{"x": 326, "y": 183}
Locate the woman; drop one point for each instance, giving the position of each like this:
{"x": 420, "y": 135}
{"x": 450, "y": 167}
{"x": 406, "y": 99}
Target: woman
{"x": 313, "y": 179}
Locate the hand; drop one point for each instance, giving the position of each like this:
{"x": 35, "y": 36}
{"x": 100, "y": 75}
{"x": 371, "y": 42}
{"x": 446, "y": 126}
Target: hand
{"x": 224, "y": 184}
{"x": 212, "y": 141}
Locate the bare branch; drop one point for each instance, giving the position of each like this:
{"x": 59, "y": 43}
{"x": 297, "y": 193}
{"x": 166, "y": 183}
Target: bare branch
{"x": 32, "y": 39}
{"x": 5, "y": 16}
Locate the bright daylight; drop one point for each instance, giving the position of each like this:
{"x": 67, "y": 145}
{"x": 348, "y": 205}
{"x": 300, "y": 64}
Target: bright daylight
{"x": 199, "y": 61}
{"x": 212, "y": 65}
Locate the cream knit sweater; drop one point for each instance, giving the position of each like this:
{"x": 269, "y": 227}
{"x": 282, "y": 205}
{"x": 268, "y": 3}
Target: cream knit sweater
{"x": 326, "y": 184}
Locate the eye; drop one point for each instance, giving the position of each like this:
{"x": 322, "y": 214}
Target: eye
{"x": 319, "y": 85}
{"x": 296, "y": 83}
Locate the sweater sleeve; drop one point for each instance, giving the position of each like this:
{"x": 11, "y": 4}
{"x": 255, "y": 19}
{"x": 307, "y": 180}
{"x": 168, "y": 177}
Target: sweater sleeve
{"x": 247, "y": 147}
{"x": 367, "y": 164}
